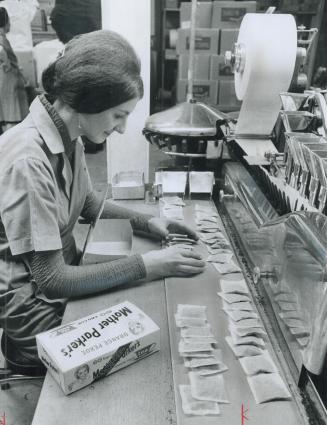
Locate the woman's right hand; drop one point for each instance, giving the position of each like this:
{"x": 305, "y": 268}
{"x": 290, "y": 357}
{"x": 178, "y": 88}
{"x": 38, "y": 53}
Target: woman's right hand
{"x": 173, "y": 261}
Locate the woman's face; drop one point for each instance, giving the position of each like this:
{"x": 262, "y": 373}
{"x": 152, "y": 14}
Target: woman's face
{"x": 97, "y": 127}
{"x": 82, "y": 373}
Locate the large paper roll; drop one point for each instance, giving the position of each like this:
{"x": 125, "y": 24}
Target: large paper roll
{"x": 270, "y": 43}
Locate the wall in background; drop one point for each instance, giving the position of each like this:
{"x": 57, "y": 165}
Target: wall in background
{"x": 130, "y": 151}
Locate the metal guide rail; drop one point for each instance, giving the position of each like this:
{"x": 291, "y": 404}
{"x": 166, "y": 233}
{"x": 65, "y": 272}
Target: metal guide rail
{"x": 285, "y": 263}
{"x": 202, "y": 290}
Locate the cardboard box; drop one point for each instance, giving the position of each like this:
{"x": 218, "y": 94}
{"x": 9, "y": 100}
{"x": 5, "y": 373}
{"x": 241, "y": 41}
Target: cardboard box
{"x": 171, "y": 4}
{"x": 81, "y": 352}
{"x": 201, "y": 66}
{"x": 296, "y": 6}
{"x": 203, "y": 14}
{"x": 201, "y": 181}
{"x": 219, "y": 70}
{"x": 110, "y": 241}
{"x": 206, "y": 40}
{"x": 229, "y": 14}
{"x": 203, "y": 90}
{"x": 128, "y": 185}
{"x": 227, "y": 95}
{"x": 228, "y": 38}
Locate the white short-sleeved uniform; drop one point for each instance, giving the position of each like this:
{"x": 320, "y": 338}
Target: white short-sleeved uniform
{"x": 41, "y": 200}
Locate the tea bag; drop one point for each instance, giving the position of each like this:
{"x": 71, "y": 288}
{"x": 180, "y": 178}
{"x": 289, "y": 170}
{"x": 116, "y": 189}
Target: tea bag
{"x": 233, "y": 298}
{"x": 249, "y": 323}
{"x": 300, "y": 332}
{"x": 247, "y": 340}
{"x": 207, "y": 237}
{"x": 217, "y": 237}
{"x": 186, "y": 347}
{"x": 207, "y": 229}
{"x": 286, "y": 296}
{"x": 198, "y": 362}
{"x": 199, "y": 339}
{"x": 191, "y": 406}
{"x": 268, "y": 387}
{"x": 243, "y": 350}
{"x": 303, "y": 342}
{"x": 294, "y": 323}
{"x": 234, "y": 287}
{"x": 173, "y": 213}
{"x": 205, "y": 210}
{"x": 215, "y": 251}
{"x": 239, "y": 306}
{"x": 200, "y": 354}
{"x": 172, "y": 200}
{"x": 182, "y": 322}
{"x": 262, "y": 363}
{"x": 211, "y": 370}
{"x": 246, "y": 331}
{"x": 216, "y": 357}
{"x": 209, "y": 387}
{"x": 191, "y": 310}
{"x": 293, "y": 314}
{"x": 287, "y": 306}
{"x": 226, "y": 268}
{"x": 205, "y": 224}
{"x": 197, "y": 332}
{"x": 222, "y": 257}
{"x": 220, "y": 244}
{"x": 237, "y": 315}
{"x": 200, "y": 217}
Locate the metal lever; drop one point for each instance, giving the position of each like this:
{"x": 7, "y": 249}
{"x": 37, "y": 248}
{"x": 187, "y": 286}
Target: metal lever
{"x": 223, "y": 195}
{"x": 258, "y": 274}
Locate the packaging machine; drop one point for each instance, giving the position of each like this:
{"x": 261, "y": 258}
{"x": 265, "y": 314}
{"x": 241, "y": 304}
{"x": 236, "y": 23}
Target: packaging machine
{"x": 271, "y": 191}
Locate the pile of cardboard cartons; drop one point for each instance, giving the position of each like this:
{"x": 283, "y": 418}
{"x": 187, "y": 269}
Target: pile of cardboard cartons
{"x": 217, "y": 26}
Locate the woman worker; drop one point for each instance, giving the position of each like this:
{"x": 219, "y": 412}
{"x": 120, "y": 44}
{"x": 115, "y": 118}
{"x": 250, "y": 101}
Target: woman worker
{"x": 45, "y": 186}
{"x": 13, "y": 97}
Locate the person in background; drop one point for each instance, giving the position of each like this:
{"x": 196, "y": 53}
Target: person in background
{"x": 13, "y": 98}
{"x": 75, "y": 17}
{"x": 72, "y": 18}
{"x": 91, "y": 89}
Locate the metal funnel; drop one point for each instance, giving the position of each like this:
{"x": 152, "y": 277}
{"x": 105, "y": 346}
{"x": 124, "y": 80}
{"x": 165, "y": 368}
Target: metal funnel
{"x": 194, "y": 119}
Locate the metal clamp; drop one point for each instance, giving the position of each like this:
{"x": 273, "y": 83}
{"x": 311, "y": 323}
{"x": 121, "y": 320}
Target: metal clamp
{"x": 236, "y": 59}
{"x": 223, "y": 195}
{"x": 257, "y": 274}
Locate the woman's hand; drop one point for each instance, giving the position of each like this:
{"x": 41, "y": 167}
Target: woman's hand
{"x": 178, "y": 260}
{"x": 161, "y": 227}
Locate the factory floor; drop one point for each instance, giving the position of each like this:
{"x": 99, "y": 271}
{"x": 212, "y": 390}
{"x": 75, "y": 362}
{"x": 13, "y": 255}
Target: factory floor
{"x": 18, "y": 403}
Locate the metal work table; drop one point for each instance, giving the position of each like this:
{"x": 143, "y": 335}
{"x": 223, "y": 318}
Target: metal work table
{"x": 147, "y": 392}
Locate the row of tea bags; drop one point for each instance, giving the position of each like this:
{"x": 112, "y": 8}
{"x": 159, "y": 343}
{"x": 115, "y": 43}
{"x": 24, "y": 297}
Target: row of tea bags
{"x": 246, "y": 340}
{"x": 172, "y": 207}
{"x": 289, "y": 312}
{"x": 203, "y": 359}
{"x": 210, "y": 231}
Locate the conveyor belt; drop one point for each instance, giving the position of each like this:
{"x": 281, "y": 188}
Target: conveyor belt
{"x": 202, "y": 289}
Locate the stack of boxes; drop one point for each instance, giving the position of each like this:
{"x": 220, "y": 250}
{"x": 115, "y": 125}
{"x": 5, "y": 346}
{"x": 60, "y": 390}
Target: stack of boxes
{"x": 217, "y": 26}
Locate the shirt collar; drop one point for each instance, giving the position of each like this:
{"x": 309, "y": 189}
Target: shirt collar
{"x": 50, "y": 126}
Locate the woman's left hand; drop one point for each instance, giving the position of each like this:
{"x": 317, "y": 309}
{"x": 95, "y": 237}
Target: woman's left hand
{"x": 162, "y": 227}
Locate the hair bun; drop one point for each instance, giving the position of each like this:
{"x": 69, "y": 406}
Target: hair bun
{"x": 48, "y": 79}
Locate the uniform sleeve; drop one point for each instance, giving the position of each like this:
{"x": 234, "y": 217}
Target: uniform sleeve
{"x": 28, "y": 207}
{"x": 4, "y": 61}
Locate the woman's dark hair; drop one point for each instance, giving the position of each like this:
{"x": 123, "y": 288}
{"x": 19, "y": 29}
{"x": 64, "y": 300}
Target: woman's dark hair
{"x": 97, "y": 71}
{"x": 4, "y": 18}
{"x": 74, "y": 17}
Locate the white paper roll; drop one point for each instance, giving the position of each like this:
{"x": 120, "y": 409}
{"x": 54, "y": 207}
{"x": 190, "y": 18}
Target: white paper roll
{"x": 270, "y": 43}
